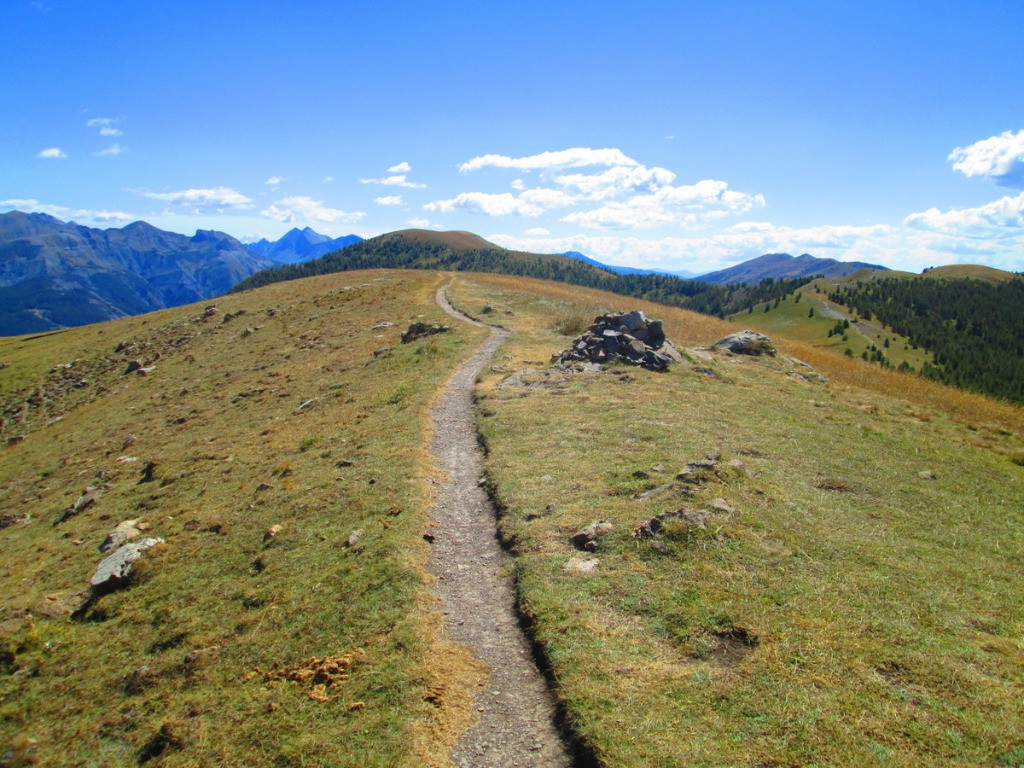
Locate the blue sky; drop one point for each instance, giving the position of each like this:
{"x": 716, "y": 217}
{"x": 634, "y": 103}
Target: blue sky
{"x": 671, "y": 135}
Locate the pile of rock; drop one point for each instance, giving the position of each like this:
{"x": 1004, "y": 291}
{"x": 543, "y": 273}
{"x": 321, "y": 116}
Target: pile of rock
{"x": 419, "y": 330}
{"x": 627, "y": 337}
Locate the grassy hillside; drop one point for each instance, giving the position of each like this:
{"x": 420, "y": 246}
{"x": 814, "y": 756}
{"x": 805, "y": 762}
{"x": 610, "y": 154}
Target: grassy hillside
{"x": 961, "y": 324}
{"x": 842, "y": 590}
{"x": 842, "y": 586}
{"x": 466, "y": 252}
{"x": 191, "y": 664}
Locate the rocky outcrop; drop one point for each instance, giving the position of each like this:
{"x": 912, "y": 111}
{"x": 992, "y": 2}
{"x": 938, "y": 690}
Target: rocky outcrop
{"x": 115, "y": 570}
{"x": 746, "y": 343}
{"x": 419, "y": 330}
{"x": 627, "y": 337}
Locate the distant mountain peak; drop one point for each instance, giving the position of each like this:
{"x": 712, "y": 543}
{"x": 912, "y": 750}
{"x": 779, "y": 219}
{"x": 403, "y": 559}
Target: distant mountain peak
{"x": 298, "y": 245}
{"x": 56, "y": 274}
{"x": 781, "y": 265}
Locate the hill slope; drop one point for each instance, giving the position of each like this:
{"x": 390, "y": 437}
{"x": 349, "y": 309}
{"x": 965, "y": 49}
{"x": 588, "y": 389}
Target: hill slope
{"x": 821, "y": 585}
{"x": 782, "y": 265}
{"x": 961, "y": 325}
{"x": 466, "y": 252}
{"x": 838, "y": 586}
{"x": 274, "y": 410}
{"x": 55, "y": 274}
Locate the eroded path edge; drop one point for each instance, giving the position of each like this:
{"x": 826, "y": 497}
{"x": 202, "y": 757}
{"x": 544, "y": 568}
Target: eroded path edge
{"x": 516, "y": 724}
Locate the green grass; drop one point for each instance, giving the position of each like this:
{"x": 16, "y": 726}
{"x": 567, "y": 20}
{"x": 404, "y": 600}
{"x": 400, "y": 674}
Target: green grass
{"x": 791, "y": 319}
{"x": 181, "y": 659}
{"x": 848, "y": 612}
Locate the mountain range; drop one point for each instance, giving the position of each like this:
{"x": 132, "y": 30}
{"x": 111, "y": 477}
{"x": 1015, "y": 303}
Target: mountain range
{"x": 776, "y": 265}
{"x": 686, "y": 275}
{"x": 298, "y": 245}
{"x": 56, "y": 274}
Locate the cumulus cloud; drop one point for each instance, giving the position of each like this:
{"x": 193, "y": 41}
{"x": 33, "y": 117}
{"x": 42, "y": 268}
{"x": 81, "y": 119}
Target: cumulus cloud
{"x": 629, "y": 194}
{"x": 305, "y": 209}
{"x": 537, "y": 232}
{"x": 80, "y": 215}
{"x": 52, "y": 153}
{"x": 548, "y": 198}
{"x": 617, "y": 180}
{"x": 738, "y": 243}
{"x": 419, "y": 223}
{"x": 1002, "y": 218}
{"x": 397, "y": 180}
{"x": 1000, "y": 158}
{"x": 113, "y": 149}
{"x": 204, "y": 199}
{"x": 402, "y": 167}
{"x": 273, "y": 181}
{"x": 686, "y": 205}
{"x": 388, "y": 200}
{"x": 503, "y": 204}
{"x": 577, "y": 157}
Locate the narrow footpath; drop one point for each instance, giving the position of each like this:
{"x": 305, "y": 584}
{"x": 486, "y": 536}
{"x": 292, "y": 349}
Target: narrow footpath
{"x": 516, "y": 711}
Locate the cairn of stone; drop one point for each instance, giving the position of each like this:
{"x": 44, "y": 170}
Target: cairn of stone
{"x": 627, "y": 337}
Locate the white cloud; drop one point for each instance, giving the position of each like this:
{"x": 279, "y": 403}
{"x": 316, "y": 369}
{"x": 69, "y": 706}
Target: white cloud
{"x": 503, "y": 204}
{"x": 52, "y": 153}
{"x": 548, "y": 198}
{"x": 106, "y": 126}
{"x": 1000, "y": 158}
{"x": 618, "y": 180}
{"x": 204, "y": 199}
{"x": 80, "y": 215}
{"x": 398, "y": 180}
{"x": 419, "y": 223}
{"x": 687, "y": 205}
{"x": 328, "y": 179}
{"x": 576, "y": 157}
{"x": 305, "y": 209}
{"x": 402, "y": 167}
{"x": 909, "y": 248}
{"x": 709, "y": 253}
{"x": 388, "y": 200}
{"x": 537, "y": 232}
{"x": 1002, "y": 218}
{"x": 633, "y": 195}
{"x": 273, "y": 181}
{"x": 113, "y": 149}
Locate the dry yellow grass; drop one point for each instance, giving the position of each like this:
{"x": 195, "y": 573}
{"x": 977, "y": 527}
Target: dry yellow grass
{"x": 177, "y": 668}
{"x": 857, "y": 606}
{"x": 691, "y": 329}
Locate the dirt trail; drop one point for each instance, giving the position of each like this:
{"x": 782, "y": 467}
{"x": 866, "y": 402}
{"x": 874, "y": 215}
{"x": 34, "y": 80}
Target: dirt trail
{"x": 516, "y": 711}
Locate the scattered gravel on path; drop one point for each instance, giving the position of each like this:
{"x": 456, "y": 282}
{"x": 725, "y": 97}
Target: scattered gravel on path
{"x": 516, "y": 711}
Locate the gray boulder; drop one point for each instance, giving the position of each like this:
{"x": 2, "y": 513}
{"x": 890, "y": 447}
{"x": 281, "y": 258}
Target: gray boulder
{"x": 114, "y": 570}
{"x": 746, "y": 343}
